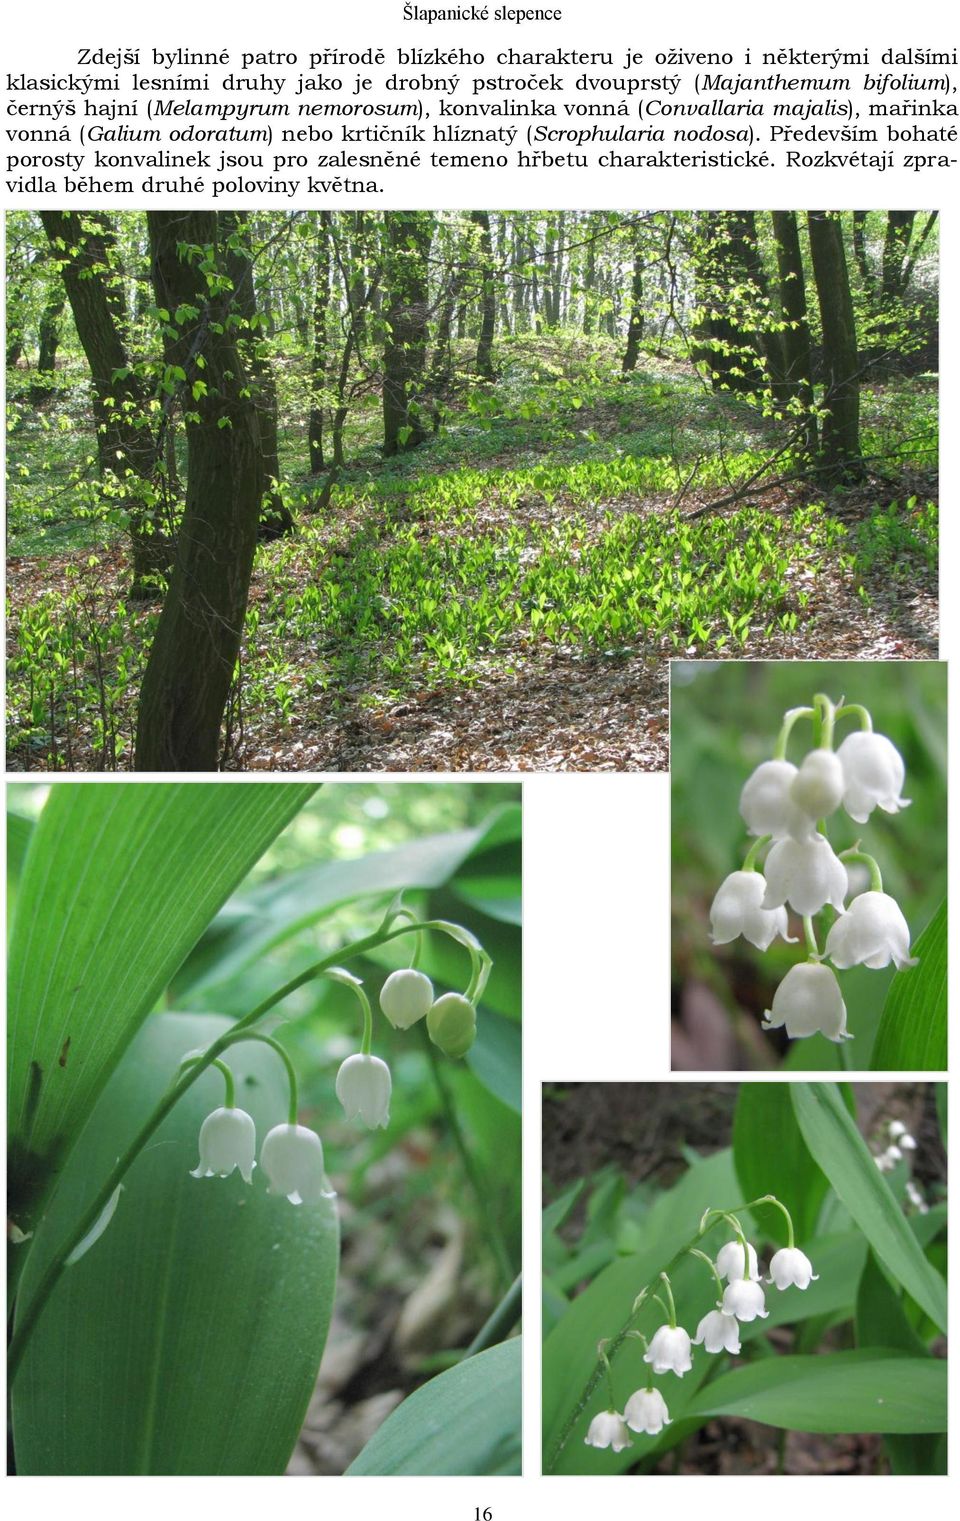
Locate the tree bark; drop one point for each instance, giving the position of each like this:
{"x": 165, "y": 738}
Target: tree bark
{"x": 194, "y": 652}
{"x": 318, "y": 375}
{"x": 797, "y": 365}
{"x": 408, "y": 236}
{"x": 488, "y": 297}
{"x": 840, "y": 436}
{"x": 635, "y": 327}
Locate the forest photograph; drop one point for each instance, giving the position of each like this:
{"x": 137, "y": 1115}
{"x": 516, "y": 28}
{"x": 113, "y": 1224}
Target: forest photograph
{"x": 446, "y": 490}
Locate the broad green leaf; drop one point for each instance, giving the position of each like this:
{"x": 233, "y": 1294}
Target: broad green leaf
{"x": 839, "y": 1149}
{"x": 913, "y": 1027}
{"x": 771, "y": 1157}
{"x": 838, "y": 1391}
{"x": 19, "y": 834}
{"x": 494, "y": 1057}
{"x": 465, "y": 1421}
{"x": 881, "y": 1319}
{"x": 187, "y": 1340}
{"x": 119, "y": 882}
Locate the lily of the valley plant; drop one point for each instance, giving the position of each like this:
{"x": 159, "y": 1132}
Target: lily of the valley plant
{"x": 741, "y": 1298}
{"x": 788, "y": 808}
{"x": 291, "y": 1155}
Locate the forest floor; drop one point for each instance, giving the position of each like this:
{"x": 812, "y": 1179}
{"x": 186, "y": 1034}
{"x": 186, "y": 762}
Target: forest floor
{"x": 507, "y": 596}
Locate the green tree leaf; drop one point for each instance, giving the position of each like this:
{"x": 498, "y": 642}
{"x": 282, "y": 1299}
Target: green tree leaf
{"x": 187, "y": 1339}
{"x": 465, "y": 1421}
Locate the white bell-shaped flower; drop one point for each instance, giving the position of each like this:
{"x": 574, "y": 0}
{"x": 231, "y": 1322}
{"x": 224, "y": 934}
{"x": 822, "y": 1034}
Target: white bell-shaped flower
{"x": 669, "y": 1351}
{"x": 646, "y": 1411}
{"x": 896, "y": 1129}
{"x": 718, "y": 1332}
{"x": 744, "y": 1299}
{"x": 363, "y": 1088}
{"x": 809, "y": 1002}
{"x": 292, "y": 1158}
{"x": 791, "y": 1267}
{"x": 608, "y": 1430}
{"x": 730, "y": 1261}
{"x": 872, "y": 932}
{"x": 765, "y": 803}
{"x": 228, "y": 1139}
{"x": 737, "y": 910}
{"x": 817, "y": 788}
{"x": 806, "y": 874}
{"x": 872, "y": 775}
{"x": 916, "y": 1198}
{"x": 405, "y": 997}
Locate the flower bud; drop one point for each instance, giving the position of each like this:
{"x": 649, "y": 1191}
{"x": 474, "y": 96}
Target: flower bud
{"x": 791, "y": 1266}
{"x": 669, "y": 1351}
{"x": 737, "y": 910}
{"x": 363, "y": 1088}
{"x": 608, "y": 1430}
{"x": 292, "y": 1158}
{"x": 730, "y": 1261}
{"x": 765, "y": 805}
{"x": 452, "y": 1024}
{"x": 405, "y": 997}
{"x": 744, "y": 1299}
{"x": 228, "y": 1139}
{"x": 817, "y": 788}
{"x": 873, "y": 774}
{"x": 872, "y": 932}
{"x": 718, "y": 1332}
{"x": 807, "y": 876}
{"x": 809, "y": 1002}
{"x": 646, "y": 1411}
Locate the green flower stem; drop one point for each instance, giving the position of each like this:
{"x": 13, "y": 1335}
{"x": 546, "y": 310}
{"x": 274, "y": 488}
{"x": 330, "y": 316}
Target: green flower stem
{"x": 293, "y": 1108}
{"x": 876, "y": 880}
{"x": 347, "y": 980}
{"x": 28, "y": 1320}
{"x": 489, "y": 1222}
{"x": 789, "y": 719}
{"x": 615, "y": 1342}
{"x": 696, "y": 1252}
{"x": 772, "y": 1199}
{"x": 750, "y": 859}
{"x": 826, "y": 714}
{"x": 810, "y": 935}
{"x": 866, "y": 722}
{"x": 602, "y": 1354}
{"x": 230, "y": 1097}
{"x": 672, "y": 1310}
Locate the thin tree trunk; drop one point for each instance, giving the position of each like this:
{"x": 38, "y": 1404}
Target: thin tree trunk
{"x": 840, "y": 443}
{"x": 797, "y": 365}
{"x": 408, "y": 236}
{"x": 488, "y": 297}
{"x": 635, "y": 328}
{"x": 194, "y": 652}
{"x": 318, "y": 377}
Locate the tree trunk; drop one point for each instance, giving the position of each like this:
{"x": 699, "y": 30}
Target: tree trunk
{"x": 127, "y": 443}
{"x": 194, "y": 652}
{"x": 860, "y": 253}
{"x": 318, "y": 377}
{"x": 728, "y": 340}
{"x": 49, "y": 342}
{"x": 797, "y": 366}
{"x": 408, "y": 236}
{"x": 896, "y": 243}
{"x": 488, "y": 296}
{"x": 840, "y": 442}
{"x": 635, "y": 328}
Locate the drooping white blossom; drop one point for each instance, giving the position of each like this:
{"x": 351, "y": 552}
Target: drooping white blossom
{"x": 744, "y": 1299}
{"x": 730, "y": 1261}
{"x": 872, "y": 932}
{"x": 608, "y": 1430}
{"x": 817, "y": 788}
{"x": 646, "y": 1411}
{"x": 791, "y": 1267}
{"x": 737, "y": 910}
{"x": 873, "y": 774}
{"x": 228, "y": 1139}
{"x": 669, "y": 1351}
{"x": 405, "y": 997}
{"x": 809, "y": 1002}
{"x": 806, "y": 874}
{"x": 292, "y": 1158}
{"x": 766, "y": 806}
{"x": 718, "y": 1332}
{"x": 363, "y": 1088}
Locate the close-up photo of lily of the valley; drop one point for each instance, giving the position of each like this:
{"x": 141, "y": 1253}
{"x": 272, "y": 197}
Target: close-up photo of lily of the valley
{"x": 745, "y": 1280}
{"x": 264, "y": 1128}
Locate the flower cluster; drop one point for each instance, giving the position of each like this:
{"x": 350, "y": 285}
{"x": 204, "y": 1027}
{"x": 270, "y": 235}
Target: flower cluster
{"x": 899, "y": 1145}
{"x": 786, "y": 807}
{"x": 741, "y": 1299}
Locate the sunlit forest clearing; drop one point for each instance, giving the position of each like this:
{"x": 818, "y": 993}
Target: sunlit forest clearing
{"x": 445, "y": 491}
